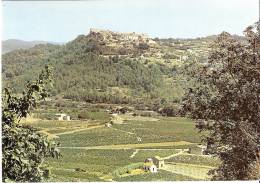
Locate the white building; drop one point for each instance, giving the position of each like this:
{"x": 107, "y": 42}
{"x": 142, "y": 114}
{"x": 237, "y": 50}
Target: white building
{"x": 108, "y": 125}
{"x": 62, "y": 117}
{"x": 153, "y": 164}
{"x": 203, "y": 149}
{"x": 150, "y": 167}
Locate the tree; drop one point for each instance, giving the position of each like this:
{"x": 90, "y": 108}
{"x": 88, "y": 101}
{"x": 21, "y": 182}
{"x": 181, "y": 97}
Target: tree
{"x": 24, "y": 148}
{"x": 226, "y": 103}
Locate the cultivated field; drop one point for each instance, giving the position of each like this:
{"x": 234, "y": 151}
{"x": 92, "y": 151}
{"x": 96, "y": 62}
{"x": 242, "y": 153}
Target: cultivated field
{"x": 93, "y": 152}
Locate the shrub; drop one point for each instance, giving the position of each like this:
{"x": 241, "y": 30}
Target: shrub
{"x": 169, "y": 110}
{"x": 83, "y": 115}
{"x": 126, "y": 169}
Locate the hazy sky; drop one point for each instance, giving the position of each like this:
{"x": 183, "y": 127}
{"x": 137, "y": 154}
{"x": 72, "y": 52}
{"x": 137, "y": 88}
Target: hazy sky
{"x": 62, "y": 21}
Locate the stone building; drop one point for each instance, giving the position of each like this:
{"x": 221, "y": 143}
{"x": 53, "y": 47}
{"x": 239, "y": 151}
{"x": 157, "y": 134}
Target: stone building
{"x": 158, "y": 162}
{"x": 153, "y": 164}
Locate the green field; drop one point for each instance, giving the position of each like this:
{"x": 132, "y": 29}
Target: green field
{"x": 195, "y": 159}
{"x": 163, "y": 130}
{"x": 96, "y": 154}
{"x": 162, "y": 175}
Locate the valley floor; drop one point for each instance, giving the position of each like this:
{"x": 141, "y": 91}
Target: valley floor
{"x": 94, "y": 152}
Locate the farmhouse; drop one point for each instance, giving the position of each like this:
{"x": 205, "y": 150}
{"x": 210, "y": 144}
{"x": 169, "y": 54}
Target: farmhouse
{"x": 62, "y": 117}
{"x": 153, "y": 164}
{"x": 150, "y": 167}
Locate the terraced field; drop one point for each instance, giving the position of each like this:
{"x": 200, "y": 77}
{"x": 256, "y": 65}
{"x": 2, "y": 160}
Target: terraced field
{"x": 93, "y": 152}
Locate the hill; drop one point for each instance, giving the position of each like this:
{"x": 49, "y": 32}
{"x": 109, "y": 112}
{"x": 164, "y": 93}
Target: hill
{"x": 109, "y": 67}
{"x": 14, "y": 44}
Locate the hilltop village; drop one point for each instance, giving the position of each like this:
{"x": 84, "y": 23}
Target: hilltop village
{"x": 141, "y": 46}
{"x": 117, "y": 37}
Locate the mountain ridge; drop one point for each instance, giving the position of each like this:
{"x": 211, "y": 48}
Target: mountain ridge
{"x": 15, "y": 44}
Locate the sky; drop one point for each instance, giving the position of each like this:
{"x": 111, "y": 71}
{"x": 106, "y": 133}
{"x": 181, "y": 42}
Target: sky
{"x": 62, "y": 21}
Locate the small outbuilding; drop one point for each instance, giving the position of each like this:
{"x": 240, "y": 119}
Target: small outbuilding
{"x": 108, "y": 125}
{"x": 158, "y": 162}
{"x": 139, "y": 139}
{"x": 204, "y": 149}
{"x": 62, "y": 117}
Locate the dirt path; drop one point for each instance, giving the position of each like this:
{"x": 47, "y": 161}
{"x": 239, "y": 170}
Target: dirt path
{"x": 134, "y": 153}
{"x": 78, "y": 130}
{"x": 133, "y": 146}
{"x": 131, "y": 133}
{"x": 137, "y": 118}
{"x": 106, "y": 178}
{"x": 173, "y": 155}
{"x": 49, "y": 135}
{"x": 158, "y": 149}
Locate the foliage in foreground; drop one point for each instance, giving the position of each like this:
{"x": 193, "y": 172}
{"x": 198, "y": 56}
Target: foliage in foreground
{"x": 24, "y": 149}
{"x": 227, "y": 105}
